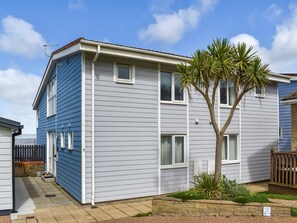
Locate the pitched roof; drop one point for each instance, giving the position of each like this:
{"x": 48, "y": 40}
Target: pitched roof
{"x": 10, "y": 124}
{"x": 292, "y": 96}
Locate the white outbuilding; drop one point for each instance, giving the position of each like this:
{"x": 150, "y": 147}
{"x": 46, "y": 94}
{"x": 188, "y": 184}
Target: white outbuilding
{"x": 8, "y": 130}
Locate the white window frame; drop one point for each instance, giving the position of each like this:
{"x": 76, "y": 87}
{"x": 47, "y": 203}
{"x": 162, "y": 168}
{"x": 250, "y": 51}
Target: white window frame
{"x": 227, "y": 161}
{"x": 262, "y": 95}
{"x": 62, "y": 139}
{"x": 116, "y": 78}
{"x": 227, "y": 92}
{"x": 70, "y": 140}
{"x": 172, "y": 101}
{"x": 53, "y": 97}
{"x": 175, "y": 165}
{"x": 37, "y": 118}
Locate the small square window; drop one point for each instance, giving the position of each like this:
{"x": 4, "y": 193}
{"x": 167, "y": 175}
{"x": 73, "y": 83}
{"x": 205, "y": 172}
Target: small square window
{"x": 259, "y": 92}
{"x": 62, "y": 138}
{"x": 124, "y": 73}
{"x": 70, "y": 140}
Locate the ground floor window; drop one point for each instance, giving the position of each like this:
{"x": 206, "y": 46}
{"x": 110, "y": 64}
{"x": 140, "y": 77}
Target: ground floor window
{"x": 230, "y": 148}
{"x": 172, "y": 150}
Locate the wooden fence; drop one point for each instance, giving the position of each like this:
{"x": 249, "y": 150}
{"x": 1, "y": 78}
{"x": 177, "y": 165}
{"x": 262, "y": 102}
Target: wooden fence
{"x": 29, "y": 153}
{"x": 283, "y": 168}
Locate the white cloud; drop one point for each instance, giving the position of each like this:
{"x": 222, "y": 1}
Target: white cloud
{"x": 272, "y": 12}
{"x": 170, "y": 28}
{"x": 19, "y": 37}
{"x": 282, "y": 56}
{"x": 77, "y": 5}
{"x": 18, "y": 90}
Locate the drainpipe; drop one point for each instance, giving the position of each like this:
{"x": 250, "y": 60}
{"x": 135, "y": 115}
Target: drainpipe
{"x": 93, "y": 129}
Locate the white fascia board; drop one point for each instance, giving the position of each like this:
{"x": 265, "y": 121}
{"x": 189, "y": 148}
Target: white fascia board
{"x": 134, "y": 53}
{"x": 294, "y": 78}
{"x": 42, "y": 83}
{"x": 279, "y": 78}
{"x": 67, "y": 52}
{"x": 290, "y": 102}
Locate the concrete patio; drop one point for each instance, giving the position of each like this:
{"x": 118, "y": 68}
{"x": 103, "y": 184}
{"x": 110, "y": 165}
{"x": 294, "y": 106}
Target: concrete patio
{"x": 52, "y": 204}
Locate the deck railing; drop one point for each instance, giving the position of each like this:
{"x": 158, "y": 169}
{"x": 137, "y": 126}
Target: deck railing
{"x": 29, "y": 153}
{"x": 284, "y": 168}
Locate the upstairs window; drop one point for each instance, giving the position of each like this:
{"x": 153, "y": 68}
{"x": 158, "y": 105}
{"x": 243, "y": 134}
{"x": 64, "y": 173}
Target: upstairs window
{"x": 229, "y": 148}
{"x": 172, "y": 150}
{"x": 171, "y": 90}
{"x": 62, "y": 139}
{"x": 227, "y": 95}
{"x": 70, "y": 140}
{"x": 37, "y": 118}
{"x": 124, "y": 73}
{"x": 259, "y": 92}
{"x": 52, "y": 98}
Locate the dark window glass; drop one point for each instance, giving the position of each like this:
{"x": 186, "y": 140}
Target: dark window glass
{"x": 178, "y": 91}
{"x": 124, "y": 72}
{"x": 258, "y": 91}
{"x": 223, "y": 92}
{"x": 165, "y": 86}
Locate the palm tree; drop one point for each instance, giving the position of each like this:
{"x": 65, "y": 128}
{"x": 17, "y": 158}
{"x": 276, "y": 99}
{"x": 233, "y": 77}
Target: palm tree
{"x": 223, "y": 62}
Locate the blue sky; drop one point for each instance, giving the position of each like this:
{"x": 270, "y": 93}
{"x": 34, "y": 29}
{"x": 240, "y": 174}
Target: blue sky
{"x": 170, "y": 25}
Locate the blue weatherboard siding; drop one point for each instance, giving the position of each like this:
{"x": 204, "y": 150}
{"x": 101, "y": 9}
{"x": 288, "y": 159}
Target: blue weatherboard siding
{"x": 67, "y": 118}
{"x": 285, "y": 115}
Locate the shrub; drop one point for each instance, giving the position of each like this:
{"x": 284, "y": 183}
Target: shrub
{"x": 206, "y": 186}
{"x": 192, "y": 194}
{"x": 231, "y": 189}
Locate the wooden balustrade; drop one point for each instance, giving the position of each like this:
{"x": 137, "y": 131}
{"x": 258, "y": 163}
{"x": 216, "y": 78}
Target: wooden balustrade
{"x": 283, "y": 168}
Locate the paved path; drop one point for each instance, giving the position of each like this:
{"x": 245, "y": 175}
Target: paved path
{"x": 55, "y": 205}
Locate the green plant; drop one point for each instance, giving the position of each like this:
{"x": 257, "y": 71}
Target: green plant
{"x": 206, "y": 185}
{"x": 192, "y": 194}
{"x": 279, "y": 196}
{"x": 231, "y": 189}
{"x": 293, "y": 212}
{"x": 259, "y": 198}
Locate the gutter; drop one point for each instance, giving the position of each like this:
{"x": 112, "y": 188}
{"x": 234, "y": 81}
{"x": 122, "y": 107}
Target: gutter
{"x": 93, "y": 129}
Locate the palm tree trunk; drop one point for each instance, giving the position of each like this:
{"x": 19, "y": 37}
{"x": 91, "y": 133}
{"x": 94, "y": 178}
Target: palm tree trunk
{"x": 218, "y": 157}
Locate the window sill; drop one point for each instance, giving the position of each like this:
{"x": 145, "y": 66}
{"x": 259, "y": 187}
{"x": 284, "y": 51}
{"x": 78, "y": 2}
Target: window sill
{"x": 48, "y": 116}
{"x": 124, "y": 82}
{"x": 227, "y": 106}
{"x": 230, "y": 162}
{"x": 259, "y": 96}
{"x": 173, "y": 102}
{"x": 173, "y": 167}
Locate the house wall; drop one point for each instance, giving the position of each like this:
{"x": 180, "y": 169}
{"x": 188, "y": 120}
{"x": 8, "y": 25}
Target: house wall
{"x": 126, "y": 131}
{"x": 285, "y": 115}
{"x": 68, "y": 118}
{"x": 259, "y": 133}
{"x": 6, "y": 197}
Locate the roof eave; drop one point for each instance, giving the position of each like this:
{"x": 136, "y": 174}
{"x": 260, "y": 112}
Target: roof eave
{"x": 279, "y": 78}
{"x": 290, "y": 102}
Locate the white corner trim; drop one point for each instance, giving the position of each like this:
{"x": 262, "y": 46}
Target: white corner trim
{"x": 188, "y": 142}
{"x": 159, "y": 131}
{"x": 83, "y": 129}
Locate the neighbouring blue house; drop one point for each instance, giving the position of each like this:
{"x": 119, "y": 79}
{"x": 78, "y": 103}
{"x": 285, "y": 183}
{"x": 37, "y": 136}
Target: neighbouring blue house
{"x": 117, "y": 125}
{"x": 285, "y": 113}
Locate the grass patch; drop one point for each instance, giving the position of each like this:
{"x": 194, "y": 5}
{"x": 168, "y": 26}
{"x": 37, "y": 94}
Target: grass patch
{"x": 187, "y": 195}
{"x": 279, "y": 196}
{"x": 258, "y": 198}
{"x": 293, "y": 212}
{"x": 143, "y": 215}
